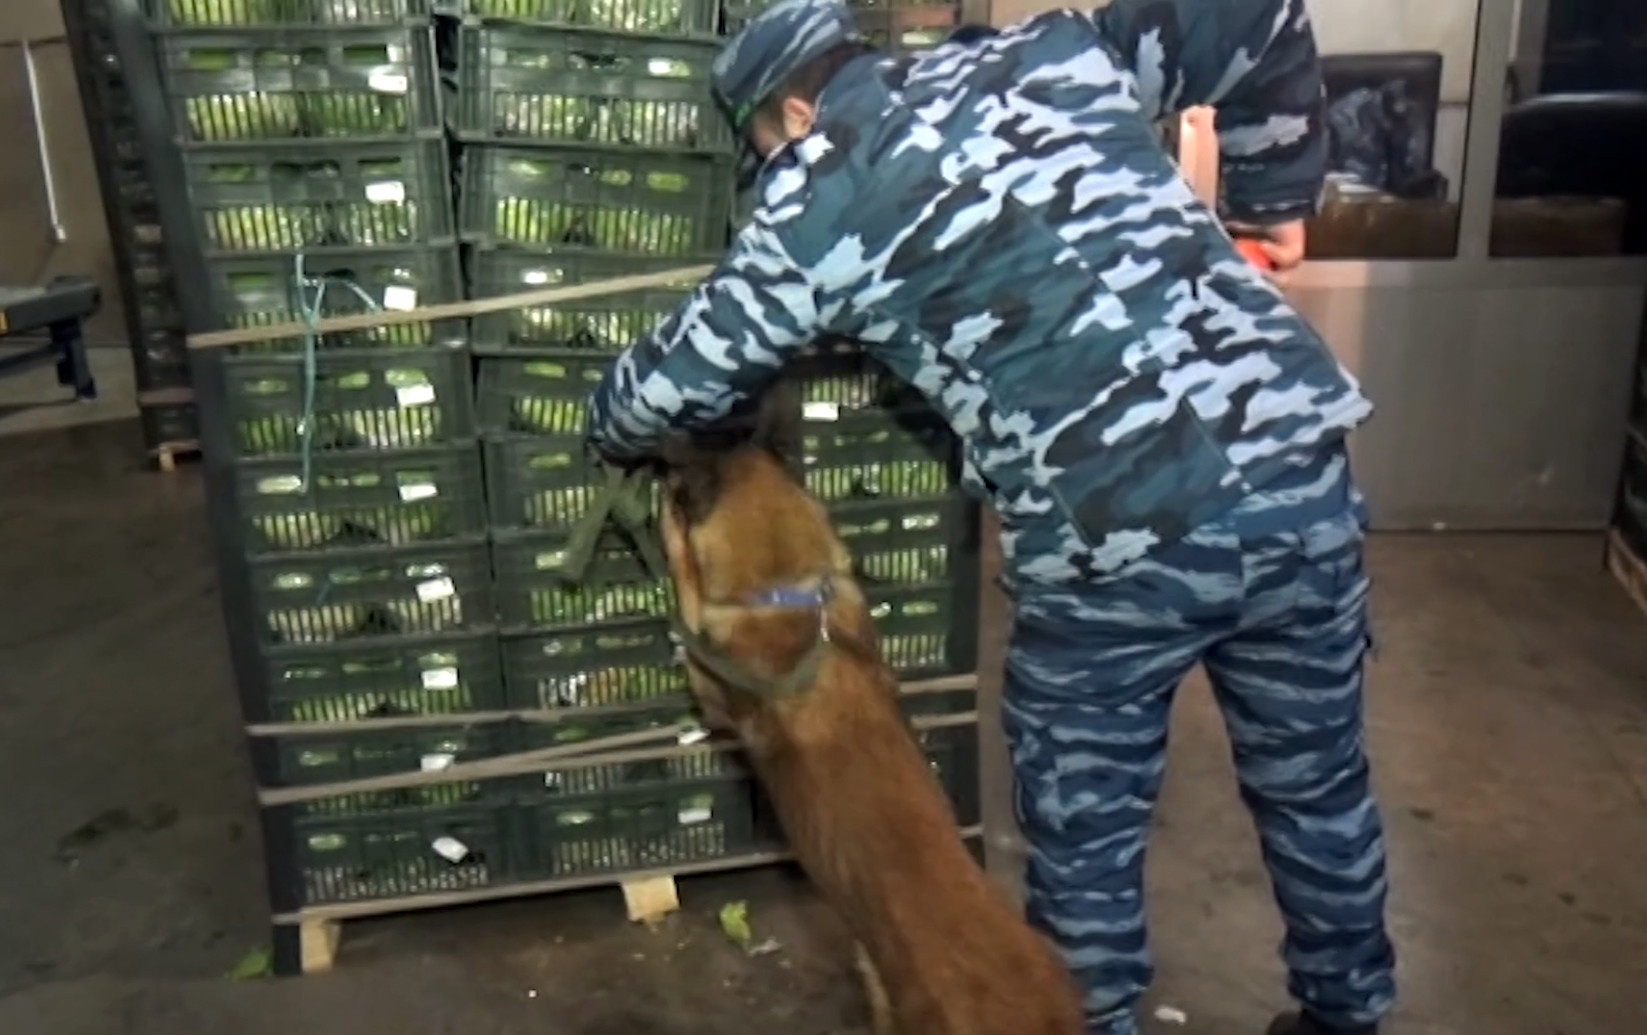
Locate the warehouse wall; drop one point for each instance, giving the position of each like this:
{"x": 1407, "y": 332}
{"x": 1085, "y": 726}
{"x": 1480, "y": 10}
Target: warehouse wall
{"x": 30, "y": 255}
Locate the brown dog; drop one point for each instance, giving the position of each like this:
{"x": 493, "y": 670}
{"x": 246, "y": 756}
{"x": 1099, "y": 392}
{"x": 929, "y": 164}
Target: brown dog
{"x": 942, "y": 950}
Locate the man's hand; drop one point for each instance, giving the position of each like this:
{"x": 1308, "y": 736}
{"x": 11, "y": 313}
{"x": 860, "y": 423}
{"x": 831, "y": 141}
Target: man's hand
{"x": 1282, "y": 243}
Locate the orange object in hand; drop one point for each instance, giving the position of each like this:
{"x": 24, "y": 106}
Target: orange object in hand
{"x": 1254, "y": 253}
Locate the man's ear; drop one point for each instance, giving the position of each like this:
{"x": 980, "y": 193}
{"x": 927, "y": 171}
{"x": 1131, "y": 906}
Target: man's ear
{"x": 778, "y": 425}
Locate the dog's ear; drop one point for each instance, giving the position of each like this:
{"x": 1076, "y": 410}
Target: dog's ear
{"x": 694, "y": 473}
{"x": 778, "y": 426}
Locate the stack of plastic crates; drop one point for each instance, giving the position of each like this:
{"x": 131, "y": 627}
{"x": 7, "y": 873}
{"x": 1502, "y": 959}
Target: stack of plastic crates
{"x": 887, "y": 467}
{"x": 590, "y": 149}
{"x": 318, "y": 177}
{"x": 148, "y": 287}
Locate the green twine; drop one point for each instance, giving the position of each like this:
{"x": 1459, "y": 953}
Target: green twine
{"x": 310, "y": 314}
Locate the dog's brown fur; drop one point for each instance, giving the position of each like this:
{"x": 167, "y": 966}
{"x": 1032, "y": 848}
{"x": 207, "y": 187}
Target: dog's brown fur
{"x": 943, "y": 951}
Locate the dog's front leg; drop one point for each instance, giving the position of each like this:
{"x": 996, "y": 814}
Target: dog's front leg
{"x": 880, "y": 1007}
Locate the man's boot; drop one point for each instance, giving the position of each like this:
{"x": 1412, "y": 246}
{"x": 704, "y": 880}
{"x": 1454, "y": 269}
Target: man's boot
{"x": 1298, "y": 1022}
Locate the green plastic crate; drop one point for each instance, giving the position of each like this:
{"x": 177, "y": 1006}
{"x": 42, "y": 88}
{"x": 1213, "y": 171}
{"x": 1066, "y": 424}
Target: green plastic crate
{"x": 903, "y": 542}
{"x": 288, "y": 198}
{"x": 541, "y": 395}
{"x": 736, "y": 14}
{"x": 654, "y": 828}
{"x": 385, "y": 679}
{"x": 878, "y": 457}
{"x": 376, "y": 400}
{"x": 604, "y": 667}
{"x": 543, "y": 482}
{"x": 316, "y": 83}
{"x": 901, "y": 25}
{"x": 349, "y": 858}
{"x": 361, "y": 594}
{"x": 607, "y": 324}
{"x": 952, "y": 752}
{"x": 521, "y": 82}
{"x": 261, "y": 291}
{"x": 840, "y": 380}
{"x": 658, "y": 768}
{"x": 919, "y": 631}
{"x": 361, "y": 499}
{"x": 655, "y": 17}
{"x": 305, "y": 760}
{"x": 608, "y": 200}
{"x": 534, "y": 592}
{"x": 266, "y": 13}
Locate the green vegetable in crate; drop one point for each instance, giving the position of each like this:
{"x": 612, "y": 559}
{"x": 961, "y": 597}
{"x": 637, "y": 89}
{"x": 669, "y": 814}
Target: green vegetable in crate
{"x": 554, "y": 324}
{"x": 567, "y": 603}
{"x": 651, "y": 124}
{"x": 920, "y": 564}
{"x": 414, "y": 419}
{"x": 549, "y": 414}
{"x": 411, "y": 510}
{"x": 300, "y": 613}
{"x": 263, "y": 227}
{"x": 222, "y": 12}
{"x": 433, "y": 603}
{"x": 253, "y": 114}
{"x": 271, "y": 434}
{"x": 550, "y": 116}
{"x": 525, "y": 10}
{"x": 294, "y": 530}
{"x": 560, "y": 506}
{"x": 349, "y": 12}
{"x": 661, "y": 16}
{"x": 411, "y": 523}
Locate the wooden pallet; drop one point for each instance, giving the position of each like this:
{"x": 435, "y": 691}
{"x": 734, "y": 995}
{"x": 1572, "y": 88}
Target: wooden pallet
{"x": 167, "y": 454}
{"x": 1628, "y": 568}
{"x": 308, "y": 941}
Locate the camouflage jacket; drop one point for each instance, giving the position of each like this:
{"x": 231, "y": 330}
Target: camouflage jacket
{"x": 995, "y": 220}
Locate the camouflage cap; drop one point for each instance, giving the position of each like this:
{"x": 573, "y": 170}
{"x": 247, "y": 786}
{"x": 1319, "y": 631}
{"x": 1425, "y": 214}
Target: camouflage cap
{"x": 771, "y": 47}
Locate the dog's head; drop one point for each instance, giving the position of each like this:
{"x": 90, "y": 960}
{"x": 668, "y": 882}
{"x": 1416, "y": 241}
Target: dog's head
{"x": 737, "y": 517}
{"x": 762, "y": 441}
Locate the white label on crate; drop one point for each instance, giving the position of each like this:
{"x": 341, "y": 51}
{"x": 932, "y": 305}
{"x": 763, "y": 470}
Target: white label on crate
{"x": 695, "y": 814}
{"x": 388, "y": 82}
{"x": 414, "y": 491}
{"x": 450, "y": 849}
{"x": 386, "y": 192}
{"x": 821, "y": 411}
{"x": 435, "y": 589}
{"x": 415, "y": 395}
{"x": 440, "y": 679}
{"x": 399, "y": 296}
{"x": 690, "y": 737}
{"x": 436, "y": 762}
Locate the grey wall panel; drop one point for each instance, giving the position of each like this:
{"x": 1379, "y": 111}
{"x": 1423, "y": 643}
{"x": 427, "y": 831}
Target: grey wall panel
{"x": 1498, "y": 406}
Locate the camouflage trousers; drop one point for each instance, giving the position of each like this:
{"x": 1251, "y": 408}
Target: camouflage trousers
{"x": 1271, "y": 600}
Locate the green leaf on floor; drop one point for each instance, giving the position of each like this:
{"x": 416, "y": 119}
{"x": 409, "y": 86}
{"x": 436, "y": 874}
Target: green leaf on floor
{"x": 255, "y": 964}
{"x": 735, "y": 923}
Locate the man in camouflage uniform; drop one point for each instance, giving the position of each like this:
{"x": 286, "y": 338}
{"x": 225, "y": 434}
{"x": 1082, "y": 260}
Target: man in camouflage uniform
{"x": 1162, "y": 436}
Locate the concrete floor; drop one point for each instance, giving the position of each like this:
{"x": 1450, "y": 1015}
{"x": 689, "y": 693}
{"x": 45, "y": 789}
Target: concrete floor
{"x": 1508, "y": 712}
